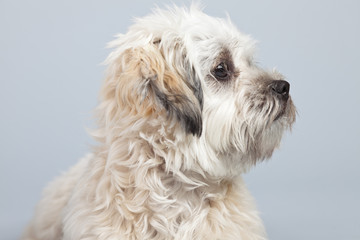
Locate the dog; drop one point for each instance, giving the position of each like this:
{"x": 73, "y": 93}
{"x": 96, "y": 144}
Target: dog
{"x": 185, "y": 111}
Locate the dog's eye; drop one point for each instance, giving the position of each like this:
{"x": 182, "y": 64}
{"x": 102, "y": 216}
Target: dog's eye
{"x": 221, "y": 72}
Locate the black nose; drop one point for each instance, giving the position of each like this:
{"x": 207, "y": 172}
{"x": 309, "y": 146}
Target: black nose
{"x": 281, "y": 88}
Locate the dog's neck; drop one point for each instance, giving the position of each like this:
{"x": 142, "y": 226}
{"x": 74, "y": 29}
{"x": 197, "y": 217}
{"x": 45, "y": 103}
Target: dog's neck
{"x": 159, "y": 177}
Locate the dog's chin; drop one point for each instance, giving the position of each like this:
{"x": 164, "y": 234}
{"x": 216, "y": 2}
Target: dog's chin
{"x": 238, "y": 160}
{"x": 268, "y": 140}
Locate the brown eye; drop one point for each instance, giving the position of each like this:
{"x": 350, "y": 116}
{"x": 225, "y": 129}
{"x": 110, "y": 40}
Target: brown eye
{"x": 221, "y": 72}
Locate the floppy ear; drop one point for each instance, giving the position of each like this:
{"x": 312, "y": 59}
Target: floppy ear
{"x": 147, "y": 84}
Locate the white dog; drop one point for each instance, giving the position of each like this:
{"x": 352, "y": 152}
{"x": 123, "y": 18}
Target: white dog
{"x": 184, "y": 112}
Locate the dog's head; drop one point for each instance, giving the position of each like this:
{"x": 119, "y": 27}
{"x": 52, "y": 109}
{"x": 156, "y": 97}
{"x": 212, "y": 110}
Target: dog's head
{"x": 183, "y": 73}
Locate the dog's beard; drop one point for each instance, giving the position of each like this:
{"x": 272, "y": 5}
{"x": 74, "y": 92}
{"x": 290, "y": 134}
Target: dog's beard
{"x": 249, "y": 129}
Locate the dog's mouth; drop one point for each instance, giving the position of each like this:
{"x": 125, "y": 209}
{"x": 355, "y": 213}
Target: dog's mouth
{"x": 282, "y": 110}
{"x": 281, "y": 113}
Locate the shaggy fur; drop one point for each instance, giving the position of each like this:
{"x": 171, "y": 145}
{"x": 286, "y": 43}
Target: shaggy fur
{"x": 184, "y": 112}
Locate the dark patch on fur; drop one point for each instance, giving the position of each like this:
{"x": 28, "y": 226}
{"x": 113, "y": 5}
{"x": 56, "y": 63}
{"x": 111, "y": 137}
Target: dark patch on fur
{"x": 226, "y": 57}
{"x": 182, "y": 108}
{"x": 195, "y": 85}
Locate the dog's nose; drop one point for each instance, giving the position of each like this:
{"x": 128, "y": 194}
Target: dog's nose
{"x": 281, "y": 88}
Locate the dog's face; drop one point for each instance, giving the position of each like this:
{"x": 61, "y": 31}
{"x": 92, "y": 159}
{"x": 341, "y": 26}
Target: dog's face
{"x": 194, "y": 76}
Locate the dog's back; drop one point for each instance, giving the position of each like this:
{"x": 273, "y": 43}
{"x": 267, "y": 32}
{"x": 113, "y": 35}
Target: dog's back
{"x": 48, "y": 220}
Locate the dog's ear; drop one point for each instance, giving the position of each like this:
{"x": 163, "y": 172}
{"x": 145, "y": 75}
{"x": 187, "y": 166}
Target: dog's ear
{"x": 148, "y": 83}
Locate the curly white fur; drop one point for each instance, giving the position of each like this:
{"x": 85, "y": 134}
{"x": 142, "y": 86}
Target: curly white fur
{"x": 174, "y": 138}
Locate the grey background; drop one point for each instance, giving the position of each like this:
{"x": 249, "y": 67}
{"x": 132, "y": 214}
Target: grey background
{"x": 50, "y": 73}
